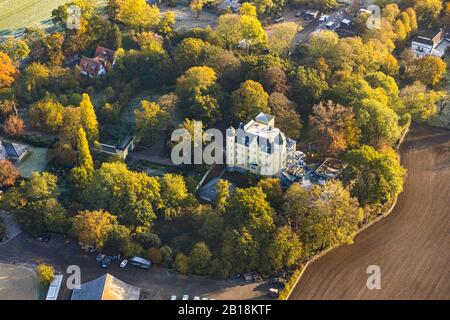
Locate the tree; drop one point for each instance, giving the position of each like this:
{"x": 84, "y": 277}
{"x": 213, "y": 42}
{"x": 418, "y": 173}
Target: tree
{"x": 222, "y": 194}
{"x": 420, "y": 102}
{"x": 429, "y": 70}
{"x": 375, "y": 176}
{"x": 333, "y": 127}
{"x": 16, "y": 49}
{"x": 197, "y": 89}
{"x": 272, "y": 188}
{"x": 166, "y": 24}
{"x": 191, "y": 52}
{"x": 233, "y": 28}
{"x": 35, "y": 205}
{"x": 53, "y": 45}
{"x": 46, "y": 273}
{"x": 82, "y": 175}
{"x": 200, "y": 259}
{"x": 308, "y": 87}
{"x": 195, "y": 79}
{"x": 166, "y": 256}
{"x": 93, "y": 227}
{"x": 181, "y": 263}
{"x": 262, "y": 6}
{"x": 322, "y": 44}
{"x": 196, "y": 6}
{"x": 118, "y": 239}
{"x": 287, "y": 118}
{"x": 132, "y": 196}
{"x": 46, "y": 114}
{"x": 152, "y": 118}
{"x": 88, "y": 119}
{"x": 151, "y": 43}
{"x": 428, "y": 11}
{"x": 285, "y": 249}
{"x": 379, "y": 124}
{"x": 281, "y": 37}
{"x": 137, "y": 14}
{"x": 248, "y": 9}
{"x": 7, "y": 108}
{"x": 333, "y": 221}
{"x": 173, "y": 193}
{"x": 14, "y": 126}
{"x": 7, "y": 71}
{"x": 249, "y": 100}
{"x": 8, "y": 174}
{"x": 71, "y": 125}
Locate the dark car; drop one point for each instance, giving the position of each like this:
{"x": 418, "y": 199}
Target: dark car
{"x": 44, "y": 238}
{"x": 106, "y": 262}
{"x": 99, "y": 258}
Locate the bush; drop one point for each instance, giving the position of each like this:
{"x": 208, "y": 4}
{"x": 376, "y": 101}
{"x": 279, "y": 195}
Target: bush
{"x": 181, "y": 263}
{"x": 290, "y": 284}
{"x": 46, "y": 273}
{"x": 166, "y": 256}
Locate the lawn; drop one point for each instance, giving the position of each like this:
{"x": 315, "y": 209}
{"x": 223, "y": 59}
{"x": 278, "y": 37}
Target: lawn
{"x": 15, "y": 15}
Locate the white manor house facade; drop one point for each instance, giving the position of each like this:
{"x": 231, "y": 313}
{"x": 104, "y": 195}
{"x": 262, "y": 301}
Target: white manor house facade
{"x": 259, "y": 147}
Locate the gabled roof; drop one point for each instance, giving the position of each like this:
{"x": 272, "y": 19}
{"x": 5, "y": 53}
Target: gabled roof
{"x": 90, "y": 65}
{"x": 106, "y": 287}
{"x": 423, "y": 40}
{"x": 13, "y": 150}
{"x": 105, "y": 54}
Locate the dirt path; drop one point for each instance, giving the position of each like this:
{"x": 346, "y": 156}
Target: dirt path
{"x": 411, "y": 246}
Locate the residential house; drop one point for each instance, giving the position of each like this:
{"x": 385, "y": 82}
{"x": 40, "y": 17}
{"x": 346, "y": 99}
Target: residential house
{"x": 103, "y": 59}
{"x": 432, "y": 44}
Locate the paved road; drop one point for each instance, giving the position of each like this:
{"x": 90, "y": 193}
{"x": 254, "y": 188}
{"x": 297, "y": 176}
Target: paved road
{"x": 411, "y": 245}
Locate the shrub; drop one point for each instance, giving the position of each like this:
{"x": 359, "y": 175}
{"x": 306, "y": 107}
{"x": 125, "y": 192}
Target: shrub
{"x": 46, "y": 273}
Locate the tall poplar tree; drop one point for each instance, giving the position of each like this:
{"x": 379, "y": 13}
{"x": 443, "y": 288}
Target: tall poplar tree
{"x": 89, "y": 119}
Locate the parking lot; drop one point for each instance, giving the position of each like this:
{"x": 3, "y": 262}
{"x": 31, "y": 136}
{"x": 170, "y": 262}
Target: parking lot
{"x": 156, "y": 283}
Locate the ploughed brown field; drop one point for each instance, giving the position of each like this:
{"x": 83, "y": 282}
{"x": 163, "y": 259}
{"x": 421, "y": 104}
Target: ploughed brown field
{"x": 411, "y": 246}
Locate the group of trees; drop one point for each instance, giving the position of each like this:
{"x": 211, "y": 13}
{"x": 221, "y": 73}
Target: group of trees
{"x": 352, "y": 95}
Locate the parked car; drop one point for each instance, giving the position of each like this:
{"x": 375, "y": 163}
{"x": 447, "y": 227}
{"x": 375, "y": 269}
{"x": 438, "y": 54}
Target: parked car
{"x": 299, "y": 13}
{"x": 100, "y": 257}
{"x": 185, "y": 297}
{"x": 140, "y": 262}
{"x": 173, "y": 298}
{"x": 196, "y": 298}
{"x": 106, "y": 262}
{"x": 124, "y": 263}
{"x": 278, "y": 19}
{"x": 273, "y": 293}
{"x": 44, "y": 238}
{"x": 324, "y": 18}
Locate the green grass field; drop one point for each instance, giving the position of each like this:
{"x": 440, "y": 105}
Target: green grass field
{"x": 15, "y": 15}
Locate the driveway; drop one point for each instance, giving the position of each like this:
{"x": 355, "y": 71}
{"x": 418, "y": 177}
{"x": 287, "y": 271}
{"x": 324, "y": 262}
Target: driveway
{"x": 411, "y": 246}
{"x": 157, "y": 283}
